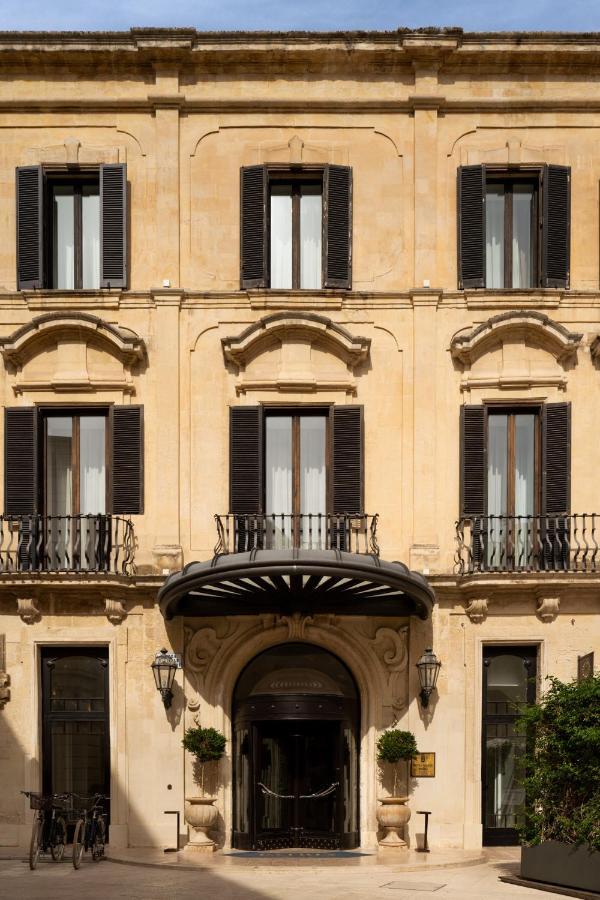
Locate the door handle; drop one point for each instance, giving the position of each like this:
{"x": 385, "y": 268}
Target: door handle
{"x": 270, "y": 793}
{"x": 318, "y": 794}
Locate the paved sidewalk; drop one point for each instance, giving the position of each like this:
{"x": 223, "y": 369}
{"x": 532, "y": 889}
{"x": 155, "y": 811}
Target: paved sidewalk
{"x": 368, "y": 879}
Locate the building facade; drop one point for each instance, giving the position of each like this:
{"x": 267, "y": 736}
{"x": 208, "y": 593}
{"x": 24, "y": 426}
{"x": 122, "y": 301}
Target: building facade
{"x": 300, "y": 339}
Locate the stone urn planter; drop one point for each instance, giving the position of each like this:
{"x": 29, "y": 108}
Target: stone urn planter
{"x": 201, "y": 815}
{"x": 393, "y": 815}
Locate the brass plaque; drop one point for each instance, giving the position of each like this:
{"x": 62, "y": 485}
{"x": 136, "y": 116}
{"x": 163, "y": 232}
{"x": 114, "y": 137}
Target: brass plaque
{"x": 423, "y": 765}
{"x": 585, "y": 666}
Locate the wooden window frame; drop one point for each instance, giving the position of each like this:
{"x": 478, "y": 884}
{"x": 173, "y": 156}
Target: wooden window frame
{"x": 76, "y": 177}
{"x": 512, "y": 411}
{"x": 508, "y": 178}
{"x": 75, "y": 413}
{"x": 298, "y": 177}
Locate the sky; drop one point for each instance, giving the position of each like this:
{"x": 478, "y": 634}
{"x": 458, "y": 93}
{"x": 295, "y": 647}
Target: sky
{"x": 209, "y": 15}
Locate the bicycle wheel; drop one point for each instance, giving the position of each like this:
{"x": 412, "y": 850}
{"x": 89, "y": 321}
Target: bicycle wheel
{"x": 59, "y": 838}
{"x": 78, "y": 841}
{"x": 99, "y": 840}
{"x": 36, "y": 842}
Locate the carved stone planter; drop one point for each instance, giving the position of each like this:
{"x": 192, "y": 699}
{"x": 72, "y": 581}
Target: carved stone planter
{"x": 201, "y": 816}
{"x": 393, "y": 815}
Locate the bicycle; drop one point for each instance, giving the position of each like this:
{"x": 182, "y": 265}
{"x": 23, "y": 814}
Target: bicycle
{"x": 90, "y": 830}
{"x": 49, "y": 830}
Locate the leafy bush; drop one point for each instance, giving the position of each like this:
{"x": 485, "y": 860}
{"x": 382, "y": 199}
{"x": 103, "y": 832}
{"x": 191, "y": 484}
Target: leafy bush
{"x": 561, "y": 766}
{"x": 206, "y": 744}
{"x": 393, "y": 746}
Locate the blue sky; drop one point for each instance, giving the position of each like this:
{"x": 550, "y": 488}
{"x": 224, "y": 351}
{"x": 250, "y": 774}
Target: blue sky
{"x": 472, "y": 15}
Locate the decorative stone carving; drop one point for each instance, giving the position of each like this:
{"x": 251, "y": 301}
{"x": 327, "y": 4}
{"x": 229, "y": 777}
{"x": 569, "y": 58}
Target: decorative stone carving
{"x": 547, "y": 608}
{"x": 73, "y": 152}
{"x": 201, "y": 648}
{"x": 477, "y": 610}
{"x": 4, "y": 677}
{"x": 391, "y": 647}
{"x": 296, "y": 625}
{"x": 28, "y": 611}
{"x": 115, "y": 611}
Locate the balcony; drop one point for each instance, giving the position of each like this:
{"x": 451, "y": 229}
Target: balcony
{"x": 102, "y": 544}
{"x": 348, "y": 533}
{"x": 527, "y": 544}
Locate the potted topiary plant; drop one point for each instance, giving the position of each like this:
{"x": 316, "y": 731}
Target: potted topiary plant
{"x": 393, "y": 747}
{"x": 207, "y": 745}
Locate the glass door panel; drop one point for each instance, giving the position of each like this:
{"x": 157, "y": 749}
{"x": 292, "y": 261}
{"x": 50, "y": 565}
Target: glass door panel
{"x": 281, "y": 236}
{"x": 313, "y": 481}
{"x": 311, "y": 220}
{"x": 278, "y": 481}
{"x": 494, "y": 232}
{"x": 59, "y": 492}
{"x": 63, "y": 244}
{"x": 92, "y": 490}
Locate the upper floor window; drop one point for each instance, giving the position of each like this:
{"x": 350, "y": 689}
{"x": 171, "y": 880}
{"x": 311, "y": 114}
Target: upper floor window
{"x": 71, "y": 227}
{"x": 514, "y": 227}
{"x": 296, "y": 227}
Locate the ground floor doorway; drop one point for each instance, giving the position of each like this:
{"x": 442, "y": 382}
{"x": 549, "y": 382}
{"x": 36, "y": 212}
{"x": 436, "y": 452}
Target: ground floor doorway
{"x": 296, "y": 752}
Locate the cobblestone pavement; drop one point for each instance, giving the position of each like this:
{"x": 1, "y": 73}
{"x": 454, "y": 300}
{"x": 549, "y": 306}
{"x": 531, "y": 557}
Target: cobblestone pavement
{"x": 112, "y": 881}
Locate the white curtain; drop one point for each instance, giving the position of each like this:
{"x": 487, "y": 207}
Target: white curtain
{"x": 92, "y": 487}
{"x": 521, "y": 240}
{"x": 524, "y": 484}
{"x": 494, "y": 236}
{"x": 64, "y": 238}
{"x": 497, "y": 466}
{"x": 59, "y": 491}
{"x": 313, "y": 497}
{"x": 311, "y": 217}
{"x": 278, "y": 480}
{"x": 90, "y": 238}
{"x": 281, "y": 237}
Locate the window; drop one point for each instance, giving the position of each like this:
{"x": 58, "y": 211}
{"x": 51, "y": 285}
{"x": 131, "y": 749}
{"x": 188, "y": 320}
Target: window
{"x": 514, "y": 227}
{"x": 296, "y": 226}
{"x": 71, "y": 227}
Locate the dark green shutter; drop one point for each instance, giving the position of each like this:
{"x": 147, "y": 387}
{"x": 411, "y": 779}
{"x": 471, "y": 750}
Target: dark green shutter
{"x": 556, "y": 459}
{"x": 337, "y": 227}
{"x": 127, "y": 460}
{"x": 113, "y": 226}
{"x": 473, "y": 467}
{"x": 20, "y": 461}
{"x": 556, "y": 226}
{"x": 245, "y": 460}
{"x": 348, "y": 460}
{"x": 471, "y": 226}
{"x": 30, "y": 227}
{"x": 253, "y": 226}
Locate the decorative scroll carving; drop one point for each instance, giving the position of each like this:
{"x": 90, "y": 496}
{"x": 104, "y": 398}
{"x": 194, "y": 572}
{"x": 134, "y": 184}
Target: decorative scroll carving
{"x": 201, "y": 648}
{"x": 552, "y": 336}
{"x": 4, "y": 677}
{"x": 391, "y": 647}
{"x": 28, "y": 611}
{"x": 477, "y": 610}
{"x": 115, "y": 611}
{"x": 296, "y": 625}
{"x": 547, "y": 608}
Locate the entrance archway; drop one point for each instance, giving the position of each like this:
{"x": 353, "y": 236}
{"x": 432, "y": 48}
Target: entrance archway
{"x": 295, "y": 751}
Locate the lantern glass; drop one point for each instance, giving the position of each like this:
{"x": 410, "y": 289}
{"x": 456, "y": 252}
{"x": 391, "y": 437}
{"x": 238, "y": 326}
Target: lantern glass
{"x": 429, "y": 667}
{"x": 164, "y": 668}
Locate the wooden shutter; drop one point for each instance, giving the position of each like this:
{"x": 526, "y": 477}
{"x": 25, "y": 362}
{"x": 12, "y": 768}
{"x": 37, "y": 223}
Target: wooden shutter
{"x": 556, "y": 226}
{"x": 20, "y": 461}
{"x": 337, "y": 227}
{"x": 556, "y": 459}
{"x": 113, "y": 226}
{"x": 127, "y": 460}
{"x": 30, "y": 228}
{"x": 348, "y": 460}
{"x": 472, "y": 461}
{"x": 245, "y": 460}
{"x": 471, "y": 226}
{"x": 253, "y": 226}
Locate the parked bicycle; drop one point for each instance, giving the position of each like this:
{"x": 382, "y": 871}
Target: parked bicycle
{"x": 90, "y": 830}
{"x": 49, "y": 830}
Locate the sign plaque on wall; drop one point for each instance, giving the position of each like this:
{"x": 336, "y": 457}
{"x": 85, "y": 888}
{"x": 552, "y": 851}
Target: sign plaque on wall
{"x": 585, "y": 666}
{"x": 423, "y": 765}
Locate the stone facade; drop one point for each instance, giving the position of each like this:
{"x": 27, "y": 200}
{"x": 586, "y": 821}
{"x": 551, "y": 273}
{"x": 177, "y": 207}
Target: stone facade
{"x": 185, "y": 111}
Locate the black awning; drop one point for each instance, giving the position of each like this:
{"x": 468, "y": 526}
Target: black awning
{"x": 288, "y": 581}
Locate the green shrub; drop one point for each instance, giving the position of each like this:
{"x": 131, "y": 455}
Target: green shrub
{"x": 393, "y": 746}
{"x": 561, "y": 765}
{"x": 206, "y": 744}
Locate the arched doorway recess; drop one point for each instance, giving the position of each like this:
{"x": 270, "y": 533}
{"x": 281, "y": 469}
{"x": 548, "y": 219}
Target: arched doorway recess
{"x": 295, "y": 751}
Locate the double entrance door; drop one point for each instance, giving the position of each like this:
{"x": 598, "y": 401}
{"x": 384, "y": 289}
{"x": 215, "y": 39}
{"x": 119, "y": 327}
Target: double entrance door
{"x": 298, "y": 784}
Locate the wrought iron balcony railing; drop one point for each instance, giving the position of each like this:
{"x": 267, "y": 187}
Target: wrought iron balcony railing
{"x": 35, "y": 543}
{"x": 527, "y": 544}
{"x": 352, "y": 533}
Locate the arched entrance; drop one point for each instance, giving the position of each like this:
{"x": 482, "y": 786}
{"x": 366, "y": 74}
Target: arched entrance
{"x": 295, "y": 750}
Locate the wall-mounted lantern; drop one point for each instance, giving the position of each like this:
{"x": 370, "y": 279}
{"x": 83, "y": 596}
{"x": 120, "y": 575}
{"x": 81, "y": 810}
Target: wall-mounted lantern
{"x": 429, "y": 669}
{"x": 164, "y": 667}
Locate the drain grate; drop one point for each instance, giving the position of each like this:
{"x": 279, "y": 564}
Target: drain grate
{"x": 425, "y": 886}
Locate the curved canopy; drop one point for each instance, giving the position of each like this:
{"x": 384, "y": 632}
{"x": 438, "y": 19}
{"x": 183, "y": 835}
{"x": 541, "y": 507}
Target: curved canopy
{"x": 288, "y": 581}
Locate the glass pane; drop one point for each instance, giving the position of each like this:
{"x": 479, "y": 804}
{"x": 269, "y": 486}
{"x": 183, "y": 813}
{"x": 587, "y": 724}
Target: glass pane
{"x": 77, "y": 684}
{"x": 311, "y": 216}
{"x": 278, "y": 480}
{"x": 92, "y": 491}
{"x": 350, "y": 790}
{"x": 521, "y": 236}
{"x": 313, "y": 483}
{"x": 524, "y": 486}
{"x": 275, "y": 782}
{"x": 507, "y": 677}
{"x": 281, "y": 236}
{"x": 504, "y": 795}
{"x": 497, "y": 488}
{"x": 315, "y": 747}
{"x": 63, "y": 237}
{"x": 319, "y": 671}
{"x": 494, "y": 236}
{"x": 59, "y": 475}
{"x": 242, "y": 780}
{"x": 78, "y": 757}
{"x": 90, "y": 236}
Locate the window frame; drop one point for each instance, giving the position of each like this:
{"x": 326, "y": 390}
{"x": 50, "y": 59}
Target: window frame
{"x": 511, "y": 411}
{"x": 508, "y": 176}
{"x": 76, "y": 177}
{"x": 298, "y": 176}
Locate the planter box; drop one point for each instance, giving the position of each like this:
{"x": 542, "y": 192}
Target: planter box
{"x": 566, "y": 865}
